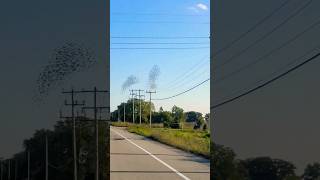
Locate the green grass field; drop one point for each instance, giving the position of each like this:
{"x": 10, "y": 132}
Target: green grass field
{"x": 190, "y": 140}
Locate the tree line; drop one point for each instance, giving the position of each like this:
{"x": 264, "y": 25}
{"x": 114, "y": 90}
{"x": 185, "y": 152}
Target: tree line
{"x": 225, "y": 166}
{"x": 60, "y": 153}
{"x": 170, "y": 119}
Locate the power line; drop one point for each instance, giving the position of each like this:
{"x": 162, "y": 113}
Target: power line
{"x": 265, "y": 35}
{"x": 263, "y": 20}
{"x": 160, "y": 22}
{"x": 193, "y": 67}
{"x": 266, "y": 83}
{"x": 187, "y": 81}
{"x": 134, "y": 43}
{"x": 166, "y": 48}
{"x": 184, "y": 91}
{"x": 274, "y": 73}
{"x": 312, "y": 26}
{"x": 153, "y": 14}
{"x": 159, "y": 37}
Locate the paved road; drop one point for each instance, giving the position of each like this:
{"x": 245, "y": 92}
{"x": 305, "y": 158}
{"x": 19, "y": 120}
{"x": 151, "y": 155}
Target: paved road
{"x": 137, "y": 158}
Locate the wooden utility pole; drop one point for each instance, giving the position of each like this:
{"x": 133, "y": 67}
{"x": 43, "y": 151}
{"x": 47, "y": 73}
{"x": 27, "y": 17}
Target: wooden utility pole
{"x": 95, "y": 109}
{"x": 118, "y": 114}
{"x": 150, "y": 92}
{"x": 124, "y": 112}
{"x": 133, "y": 96}
{"x": 73, "y": 104}
{"x": 28, "y": 164}
{"x": 47, "y": 163}
{"x": 9, "y": 166}
{"x": 139, "y": 96}
{"x": 16, "y": 169}
{"x": 1, "y": 169}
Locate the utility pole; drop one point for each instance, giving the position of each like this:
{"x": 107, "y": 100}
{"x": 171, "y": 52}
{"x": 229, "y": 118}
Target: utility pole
{"x": 73, "y": 104}
{"x": 47, "y": 163}
{"x": 118, "y": 114}
{"x": 124, "y": 112}
{"x": 95, "y": 109}
{"x": 28, "y": 164}
{"x": 1, "y": 169}
{"x": 16, "y": 169}
{"x": 9, "y": 173}
{"x": 133, "y": 96}
{"x": 150, "y": 92}
{"x": 139, "y": 95}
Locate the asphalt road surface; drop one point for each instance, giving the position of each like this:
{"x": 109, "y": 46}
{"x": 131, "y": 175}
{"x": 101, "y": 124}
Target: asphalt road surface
{"x": 135, "y": 157}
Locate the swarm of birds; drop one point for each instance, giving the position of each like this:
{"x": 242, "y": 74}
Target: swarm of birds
{"x": 153, "y": 76}
{"x": 70, "y": 58}
{"x": 131, "y": 80}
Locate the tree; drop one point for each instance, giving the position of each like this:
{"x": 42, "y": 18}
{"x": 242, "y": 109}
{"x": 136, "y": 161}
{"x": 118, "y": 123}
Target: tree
{"x": 224, "y": 166}
{"x": 60, "y": 151}
{"x": 192, "y": 116}
{"x": 166, "y": 118}
{"x": 145, "y": 111}
{"x": 199, "y": 122}
{"x": 196, "y": 118}
{"x": 312, "y": 172}
{"x": 207, "y": 118}
{"x": 265, "y": 168}
{"x": 284, "y": 169}
{"x": 178, "y": 117}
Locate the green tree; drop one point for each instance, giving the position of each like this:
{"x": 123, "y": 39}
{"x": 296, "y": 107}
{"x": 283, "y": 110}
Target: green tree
{"x": 265, "y": 168}
{"x": 199, "y": 122}
{"x": 178, "y": 117}
{"x": 192, "y": 116}
{"x": 61, "y": 153}
{"x": 145, "y": 111}
{"x": 196, "y": 118}
{"x": 166, "y": 118}
{"x": 312, "y": 172}
{"x": 224, "y": 165}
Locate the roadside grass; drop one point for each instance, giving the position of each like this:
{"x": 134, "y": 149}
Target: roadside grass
{"x": 194, "y": 141}
{"x": 126, "y": 124}
{"x": 120, "y": 124}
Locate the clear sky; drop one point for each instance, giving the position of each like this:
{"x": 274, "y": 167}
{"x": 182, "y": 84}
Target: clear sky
{"x": 180, "y": 68}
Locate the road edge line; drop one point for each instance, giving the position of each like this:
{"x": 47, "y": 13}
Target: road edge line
{"x": 155, "y": 157}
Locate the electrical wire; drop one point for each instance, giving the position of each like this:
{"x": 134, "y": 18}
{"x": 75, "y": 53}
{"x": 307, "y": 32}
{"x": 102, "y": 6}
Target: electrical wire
{"x": 196, "y": 76}
{"x": 159, "y": 22}
{"x": 152, "y": 14}
{"x": 165, "y": 48}
{"x": 266, "y": 83}
{"x": 265, "y": 35}
{"x": 274, "y": 73}
{"x": 134, "y": 43}
{"x": 190, "y": 70}
{"x": 285, "y": 44}
{"x": 159, "y": 37}
{"x": 255, "y": 26}
{"x": 170, "y": 97}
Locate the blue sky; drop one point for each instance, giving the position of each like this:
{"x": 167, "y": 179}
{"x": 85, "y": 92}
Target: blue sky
{"x": 180, "y": 68}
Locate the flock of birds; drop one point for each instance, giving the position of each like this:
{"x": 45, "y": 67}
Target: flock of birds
{"x": 67, "y": 59}
{"x": 74, "y": 57}
{"x": 131, "y": 80}
{"x": 153, "y": 76}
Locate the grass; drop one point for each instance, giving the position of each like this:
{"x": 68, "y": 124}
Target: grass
{"x": 197, "y": 142}
{"x": 120, "y": 124}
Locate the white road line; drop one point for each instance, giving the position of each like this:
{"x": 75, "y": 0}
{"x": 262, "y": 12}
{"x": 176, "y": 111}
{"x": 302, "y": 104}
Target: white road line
{"x": 155, "y": 157}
